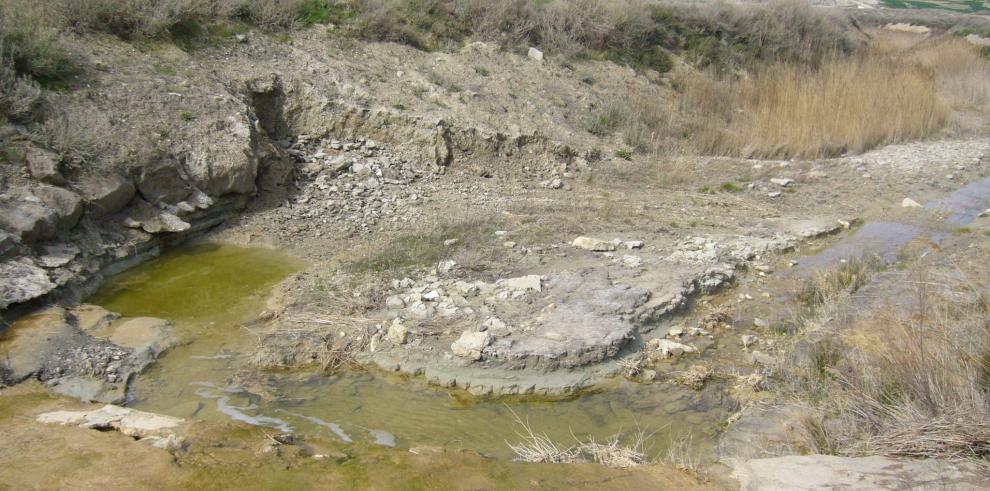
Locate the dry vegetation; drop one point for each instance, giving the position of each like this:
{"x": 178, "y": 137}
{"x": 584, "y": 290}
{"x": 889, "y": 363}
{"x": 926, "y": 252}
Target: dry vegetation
{"x": 910, "y": 379}
{"x": 895, "y": 90}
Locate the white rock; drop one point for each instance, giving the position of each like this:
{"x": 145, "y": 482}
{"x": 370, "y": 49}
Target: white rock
{"x": 634, "y": 244}
{"x": 535, "y": 54}
{"x": 525, "y": 283}
{"x": 632, "y": 261}
{"x": 774, "y": 194}
{"x": 986, "y": 213}
{"x": 470, "y": 344}
{"x": 592, "y": 244}
{"x": 669, "y": 348}
{"x": 782, "y": 181}
{"x": 446, "y": 266}
{"x": 398, "y": 333}
{"x": 910, "y": 203}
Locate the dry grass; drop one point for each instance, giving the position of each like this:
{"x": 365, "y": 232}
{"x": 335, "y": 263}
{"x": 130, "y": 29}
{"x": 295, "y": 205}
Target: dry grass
{"x": 902, "y": 88}
{"x": 848, "y": 104}
{"x": 962, "y": 72}
{"x": 909, "y": 381}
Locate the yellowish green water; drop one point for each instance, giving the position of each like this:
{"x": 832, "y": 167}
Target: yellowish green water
{"x": 210, "y": 292}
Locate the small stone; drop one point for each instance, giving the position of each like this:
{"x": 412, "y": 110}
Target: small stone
{"x": 634, "y": 244}
{"x": 986, "y": 213}
{"x": 470, "y": 344}
{"x": 632, "y": 261}
{"x": 450, "y": 242}
{"x": 431, "y": 296}
{"x": 395, "y": 302}
{"x": 774, "y": 194}
{"x": 910, "y": 203}
{"x": 398, "y": 333}
{"x": 675, "y": 332}
{"x": 509, "y": 244}
{"x": 761, "y": 323}
{"x": 749, "y": 340}
{"x": 535, "y": 54}
{"x": 446, "y": 266}
{"x": 782, "y": 181}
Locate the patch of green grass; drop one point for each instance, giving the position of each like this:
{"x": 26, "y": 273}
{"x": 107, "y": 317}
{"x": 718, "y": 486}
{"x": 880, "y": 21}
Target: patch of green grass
{"x": 312, "y": 12}
{"x": 187, "y": 116}
{"x": 164, "y": 69}
{"x": 480, "y": 70}
{"x": 963, "y": 230}
{"x": 730, "y": 187}
{"x": 624, "y": 154}
{"x": 422, "y": 250}
{"x": 706, "y": 190}
{"x": 399, "y": 106}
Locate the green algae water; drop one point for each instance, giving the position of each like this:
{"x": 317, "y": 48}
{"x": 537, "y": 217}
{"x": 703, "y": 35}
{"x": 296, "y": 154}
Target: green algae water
{"x": 212, "y": 293}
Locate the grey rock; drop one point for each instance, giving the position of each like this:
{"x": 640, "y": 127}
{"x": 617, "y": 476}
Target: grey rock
{"x": 57, "y": 255}
{"x": 27, "y": 220}
{"x": 535, "y": 54}
{"x": 67, "y": 206}
{"x": 106, "y": 194}
{"x": 160, "y": 182}
{"x": 20, "y": 281}
{"x": 44, "y": 166}
{"x": 783, "y": 182}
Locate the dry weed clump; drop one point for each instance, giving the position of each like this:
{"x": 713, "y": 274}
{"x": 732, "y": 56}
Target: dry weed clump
{"x": 909, "y": 381}
{"x": 540, "y": 448}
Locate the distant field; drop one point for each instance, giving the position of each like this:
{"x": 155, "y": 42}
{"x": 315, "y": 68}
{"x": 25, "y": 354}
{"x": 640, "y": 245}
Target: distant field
{"x": 954, "y": 5}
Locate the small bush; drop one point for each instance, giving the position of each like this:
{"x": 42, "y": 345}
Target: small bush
{"x": 30, "y": 44}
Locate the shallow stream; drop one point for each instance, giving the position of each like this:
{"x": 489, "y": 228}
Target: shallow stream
{"x": 212, "y": 292}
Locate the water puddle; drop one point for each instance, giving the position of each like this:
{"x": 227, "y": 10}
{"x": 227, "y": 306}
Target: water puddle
{"x": 210, "y": 292}
{"x": 886, "y": 239}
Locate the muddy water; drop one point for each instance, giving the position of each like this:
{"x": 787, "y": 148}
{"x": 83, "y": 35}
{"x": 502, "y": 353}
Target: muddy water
{"x": 211, "y": 292}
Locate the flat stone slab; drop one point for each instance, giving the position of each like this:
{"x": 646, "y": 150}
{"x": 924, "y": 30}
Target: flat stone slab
{"x": 131, "y": 422}
{"x": 826, "y": 472}
{"x": 584, "y": 323}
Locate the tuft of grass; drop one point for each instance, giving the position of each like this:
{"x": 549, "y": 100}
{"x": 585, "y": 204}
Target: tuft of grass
{"x": 480, "y": 70}
{"x": 187, "y": 116}
{"x": 730, "y": 187}
{"x": 847, "y": 277}
{"x": 606, "y": 120}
